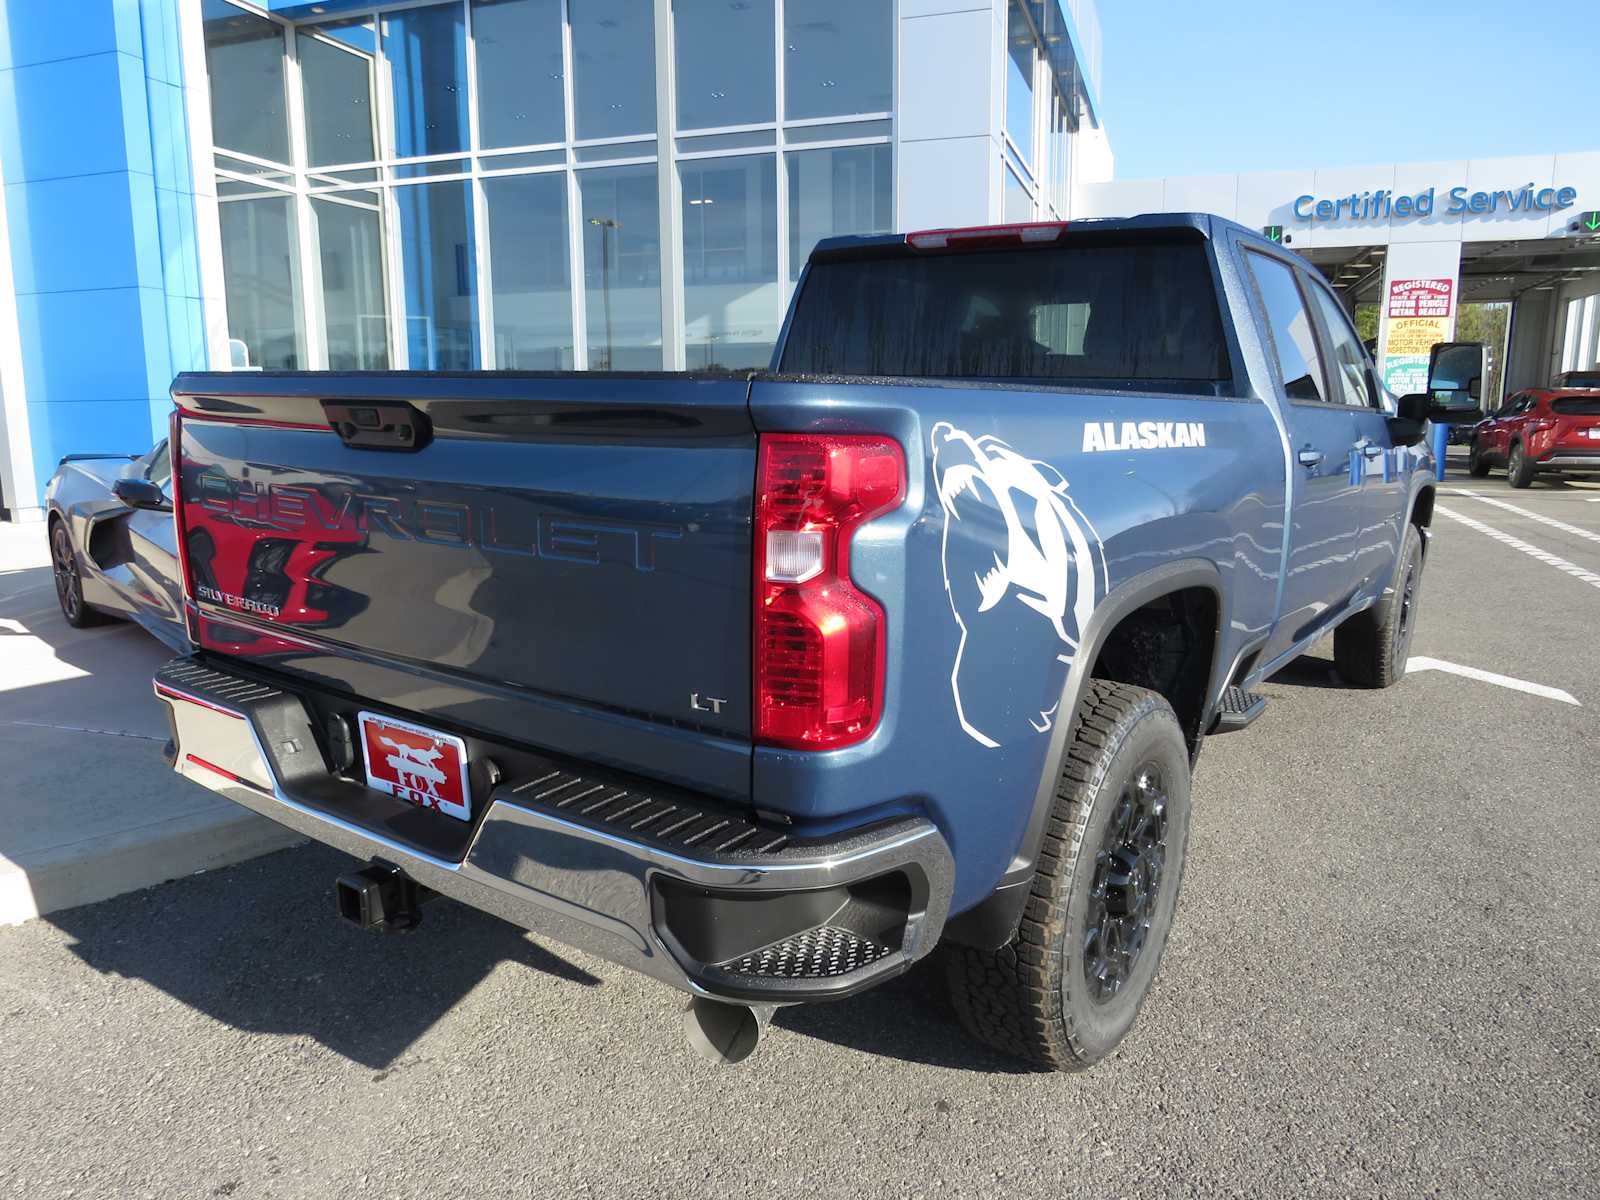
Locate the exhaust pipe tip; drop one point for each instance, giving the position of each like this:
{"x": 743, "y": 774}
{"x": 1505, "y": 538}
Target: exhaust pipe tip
{"x": 722, "y": 1033}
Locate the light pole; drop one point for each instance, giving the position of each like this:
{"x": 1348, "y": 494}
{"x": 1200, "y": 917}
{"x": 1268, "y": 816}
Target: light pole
{"x": 606, "y": 224}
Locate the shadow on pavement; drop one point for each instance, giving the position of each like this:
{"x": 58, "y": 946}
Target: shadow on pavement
{"x": 258, "y": 947}
{"x": 1308, "y": 671}
{"x": 909, "y": 1019}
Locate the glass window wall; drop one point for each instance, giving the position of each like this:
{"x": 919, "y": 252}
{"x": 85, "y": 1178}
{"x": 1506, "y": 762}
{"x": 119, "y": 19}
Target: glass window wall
{"x": 1018, "y": 204}
{"x": 355, "y": 310}
{"x": 1020, "y": 56}
{"x": 519, "y": 139}
{"x": 249, "y": 113}
{"x": 521, "y": 76}
{"x": 726, "y": 64}
{"x": 426, "y": 49}
{"x": 338, "y": 79}
{"x": 528, "y": 271}
{"x": 838, "y": 58}
{"x": 614, "y": 67}
{"x": 438, "y": 276}
{"x": 622, "y": 268}
{"x": 849, "y": 189}
{"x": 731, "y": 299}
{"x": 262, "y": 273}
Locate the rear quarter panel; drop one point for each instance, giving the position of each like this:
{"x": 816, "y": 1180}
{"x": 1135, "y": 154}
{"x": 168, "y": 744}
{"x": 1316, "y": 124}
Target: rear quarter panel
{"x": 1011, "y": 534}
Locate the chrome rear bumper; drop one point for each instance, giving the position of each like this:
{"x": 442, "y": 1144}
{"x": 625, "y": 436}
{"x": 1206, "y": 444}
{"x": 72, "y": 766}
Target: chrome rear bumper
{"x": 1572, "y": 460}
{"x": 668, "y": 884}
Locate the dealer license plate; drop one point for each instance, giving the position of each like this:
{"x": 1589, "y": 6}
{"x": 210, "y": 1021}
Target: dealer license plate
{"x": 419, "y": 765}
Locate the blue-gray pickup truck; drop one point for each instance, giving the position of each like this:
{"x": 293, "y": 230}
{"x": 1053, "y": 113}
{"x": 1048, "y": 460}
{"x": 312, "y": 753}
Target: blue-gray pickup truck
{"x": 769, "y": 685}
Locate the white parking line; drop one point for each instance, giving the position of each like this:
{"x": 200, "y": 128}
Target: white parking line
{"x": 1515, "y": 543}
{"x": 1531, "y": 515}
{"x": 1420, "y": 663}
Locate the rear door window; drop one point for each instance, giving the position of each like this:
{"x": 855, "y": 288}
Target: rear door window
{"x": 1138, "y": 316}
{"x": 1289, "y": 323}
{"x": 1348, "y": 379}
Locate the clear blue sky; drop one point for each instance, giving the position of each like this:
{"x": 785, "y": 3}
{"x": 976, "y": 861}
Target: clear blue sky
{"x": 1241, "y": 85}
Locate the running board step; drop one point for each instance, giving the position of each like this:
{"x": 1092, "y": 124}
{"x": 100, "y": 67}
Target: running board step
{"x": 1238, "y": 709}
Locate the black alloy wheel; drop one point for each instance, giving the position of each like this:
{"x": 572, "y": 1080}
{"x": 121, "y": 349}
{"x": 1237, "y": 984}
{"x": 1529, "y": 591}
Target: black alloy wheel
{"x": 69, "y": 583}
{"x": 64, "y": 563}
{"x": 1408, "y": 604}
{"x": 1129, "y": 869}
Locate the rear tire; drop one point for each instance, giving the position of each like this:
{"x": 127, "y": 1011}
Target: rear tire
{"x": 1371, "y": 648}
{"x": 1477, "y": 464}
{"x": 69, "y": 583}
{"x": 1067, "y": 988}
{"x": 1520, "y": 469}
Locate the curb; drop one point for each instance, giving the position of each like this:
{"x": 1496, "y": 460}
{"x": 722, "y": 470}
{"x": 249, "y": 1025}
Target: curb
{"x": 99, "y": 868}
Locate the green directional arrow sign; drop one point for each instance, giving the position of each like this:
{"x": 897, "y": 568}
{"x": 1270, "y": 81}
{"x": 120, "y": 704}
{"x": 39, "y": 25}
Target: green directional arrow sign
{"x": 1590, "y": 221}
{"x": 1273, "y": 233}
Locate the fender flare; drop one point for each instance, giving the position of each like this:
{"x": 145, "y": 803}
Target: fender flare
{"x": 991, "y": 923}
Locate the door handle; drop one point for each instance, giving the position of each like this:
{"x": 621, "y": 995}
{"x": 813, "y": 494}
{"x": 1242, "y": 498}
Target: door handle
{"x": 1370, "y": 449}
{"x": 1310, "y": 458}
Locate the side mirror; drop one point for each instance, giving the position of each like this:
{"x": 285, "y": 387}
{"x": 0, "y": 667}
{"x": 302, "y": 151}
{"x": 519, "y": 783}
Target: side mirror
{"x": 141, "y": 493}
{"x": 1455, "y": 378}
{"x": 1407, "y": 426}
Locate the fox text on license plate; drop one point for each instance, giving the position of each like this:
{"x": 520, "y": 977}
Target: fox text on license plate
{"x": 418, "y": 765}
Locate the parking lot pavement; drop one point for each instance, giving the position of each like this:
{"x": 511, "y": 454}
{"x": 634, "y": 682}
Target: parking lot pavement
{"x": 87, "y": 808}
{"x": 1382, "y": 983}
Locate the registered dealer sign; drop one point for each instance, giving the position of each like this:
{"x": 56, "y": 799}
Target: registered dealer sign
{"x": 1420, "y": 297}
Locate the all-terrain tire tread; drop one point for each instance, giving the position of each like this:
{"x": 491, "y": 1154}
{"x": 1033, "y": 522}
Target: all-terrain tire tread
{"x": 1011, "y": 998}
{"x": 1364, "y": 650}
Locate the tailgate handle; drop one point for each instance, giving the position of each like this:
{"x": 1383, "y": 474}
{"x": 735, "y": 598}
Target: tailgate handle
{"x": 381, "y": 425}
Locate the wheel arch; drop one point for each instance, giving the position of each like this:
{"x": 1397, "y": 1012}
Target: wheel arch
{"x": 1186, "y": 582}
{"x": 1422, "y": 507}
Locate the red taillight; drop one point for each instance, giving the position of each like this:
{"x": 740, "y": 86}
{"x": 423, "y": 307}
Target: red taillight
{"x": 819, "y": 640}
{"x": 180, "y": 534}
{"x": 986, "y": 235}
{"x": 175, "y": 464}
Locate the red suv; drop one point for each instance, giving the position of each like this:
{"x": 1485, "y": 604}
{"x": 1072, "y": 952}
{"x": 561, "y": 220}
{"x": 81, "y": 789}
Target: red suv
{"x": 1541, "y": 429}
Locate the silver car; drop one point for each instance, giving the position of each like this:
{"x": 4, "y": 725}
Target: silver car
{"x": 113, "y": 545}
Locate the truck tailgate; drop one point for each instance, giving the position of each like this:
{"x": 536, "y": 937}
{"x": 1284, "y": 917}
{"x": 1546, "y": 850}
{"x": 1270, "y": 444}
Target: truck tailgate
{"x": 582, "y": 543}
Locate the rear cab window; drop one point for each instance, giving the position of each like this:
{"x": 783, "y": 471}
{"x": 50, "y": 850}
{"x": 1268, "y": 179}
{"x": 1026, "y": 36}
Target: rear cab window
{"x": 1576, "y": 406}
{"x": 1090, "y": 310}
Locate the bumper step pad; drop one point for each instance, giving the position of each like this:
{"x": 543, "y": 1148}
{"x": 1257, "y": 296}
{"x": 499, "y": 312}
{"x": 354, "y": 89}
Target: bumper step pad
{"x": 823, "y": 953}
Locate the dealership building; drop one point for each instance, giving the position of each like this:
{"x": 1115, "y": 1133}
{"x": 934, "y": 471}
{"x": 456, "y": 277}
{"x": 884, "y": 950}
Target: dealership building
{"x": 1421, "y": 239}
{"x": 603, "y": 184}
{"x": 480, "y": 184}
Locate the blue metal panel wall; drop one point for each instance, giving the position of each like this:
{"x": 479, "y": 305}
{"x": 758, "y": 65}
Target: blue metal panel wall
{"x": 94, "y": 153}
